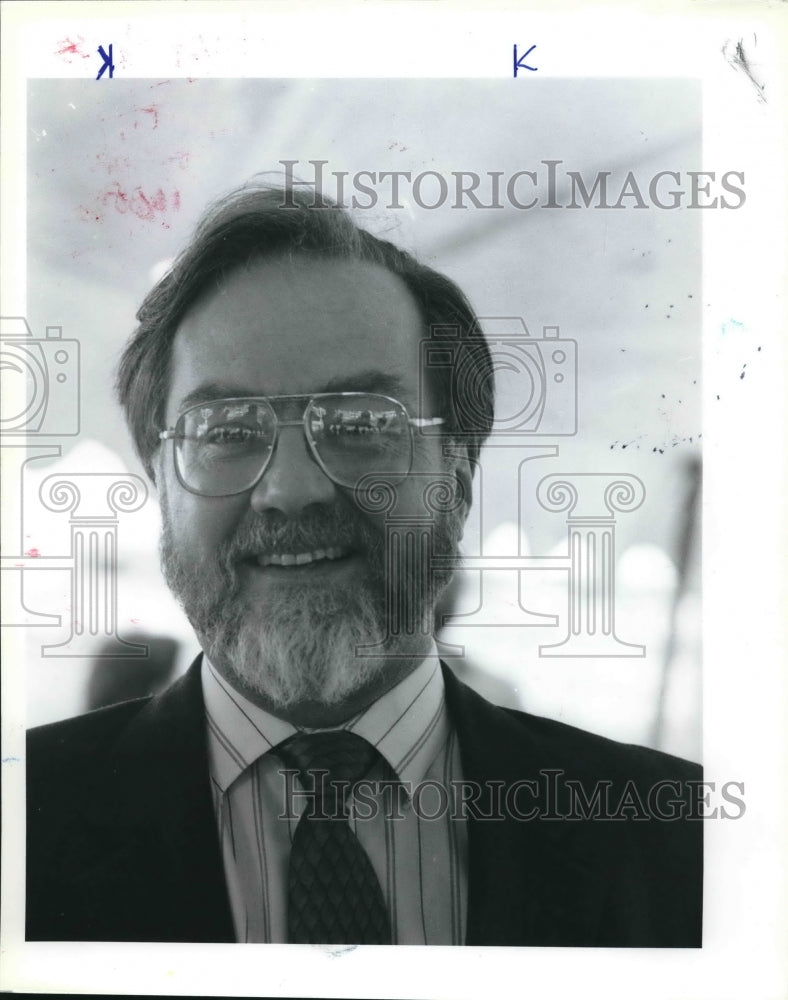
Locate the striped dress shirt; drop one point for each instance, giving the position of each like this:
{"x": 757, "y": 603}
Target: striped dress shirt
{"x": 416, "y": 840}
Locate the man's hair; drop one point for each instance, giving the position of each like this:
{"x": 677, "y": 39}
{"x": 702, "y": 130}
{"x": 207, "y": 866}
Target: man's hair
{"x": 254, "y": 222}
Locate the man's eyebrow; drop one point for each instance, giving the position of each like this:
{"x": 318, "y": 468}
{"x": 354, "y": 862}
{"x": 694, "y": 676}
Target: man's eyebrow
{"x": 207, "y": 391}
{"x": 370, "y": 380}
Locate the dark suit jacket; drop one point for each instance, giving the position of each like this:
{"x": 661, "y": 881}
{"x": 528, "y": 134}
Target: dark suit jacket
{"x": 122, "y": 842}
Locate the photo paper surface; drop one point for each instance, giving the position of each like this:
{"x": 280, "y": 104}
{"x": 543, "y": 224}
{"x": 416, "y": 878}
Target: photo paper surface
{"x": 619, "y": 248}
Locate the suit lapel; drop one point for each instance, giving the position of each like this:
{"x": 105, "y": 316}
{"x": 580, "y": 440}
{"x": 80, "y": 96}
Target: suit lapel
{"x": 527, "y": 880}
{"x": 156, "y": 827}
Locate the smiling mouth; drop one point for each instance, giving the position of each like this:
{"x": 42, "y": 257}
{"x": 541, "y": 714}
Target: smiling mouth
{"x": 330, "y": 554}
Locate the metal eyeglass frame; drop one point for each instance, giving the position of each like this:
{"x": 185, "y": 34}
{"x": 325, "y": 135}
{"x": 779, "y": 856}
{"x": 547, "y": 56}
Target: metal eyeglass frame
{"x": 171, "y": 433}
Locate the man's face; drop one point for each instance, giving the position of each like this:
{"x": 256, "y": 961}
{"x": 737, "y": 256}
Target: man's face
{"x": 282, "y": 626}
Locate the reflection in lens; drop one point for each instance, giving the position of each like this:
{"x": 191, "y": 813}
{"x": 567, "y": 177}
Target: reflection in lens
{"x": 224, "y": 446}
{"x": 360, "y": 434}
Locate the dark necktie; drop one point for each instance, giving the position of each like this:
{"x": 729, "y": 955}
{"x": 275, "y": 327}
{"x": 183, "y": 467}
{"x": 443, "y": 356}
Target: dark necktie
{"x": 333, "y": 895}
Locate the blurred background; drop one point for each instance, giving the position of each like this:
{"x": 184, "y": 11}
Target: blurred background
{"x": 117, "y": 177}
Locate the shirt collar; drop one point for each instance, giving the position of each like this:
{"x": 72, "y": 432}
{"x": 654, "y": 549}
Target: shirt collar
{"x": 408, "y": 724}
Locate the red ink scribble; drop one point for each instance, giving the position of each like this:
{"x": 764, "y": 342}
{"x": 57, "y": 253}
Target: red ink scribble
{"x": 33, "y": 554}
{"x": 156, "y": 203}
{"x": 69, "y": 48}
{"x": 152, "y": 110}
{"x": 144, "y": 205}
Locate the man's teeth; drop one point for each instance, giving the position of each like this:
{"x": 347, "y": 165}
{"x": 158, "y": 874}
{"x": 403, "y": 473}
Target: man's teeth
{"x": 301, "y": 558}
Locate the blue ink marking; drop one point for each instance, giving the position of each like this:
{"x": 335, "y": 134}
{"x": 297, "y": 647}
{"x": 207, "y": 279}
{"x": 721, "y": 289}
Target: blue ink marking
{"x": 732, "y": 324}
{"x": 107, "y": 64}
{"x": 519, "y": 64}
{"x": 11, "y": 760}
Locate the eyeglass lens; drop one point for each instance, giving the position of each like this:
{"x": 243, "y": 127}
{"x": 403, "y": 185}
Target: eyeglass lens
{"x": 223, "y": 446}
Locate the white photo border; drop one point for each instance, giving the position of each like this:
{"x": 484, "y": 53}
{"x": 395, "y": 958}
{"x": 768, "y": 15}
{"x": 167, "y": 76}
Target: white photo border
{"x": 744, "y": 476}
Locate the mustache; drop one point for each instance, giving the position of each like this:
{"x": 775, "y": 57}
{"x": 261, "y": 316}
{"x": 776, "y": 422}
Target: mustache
{"x": 273, "y": 533}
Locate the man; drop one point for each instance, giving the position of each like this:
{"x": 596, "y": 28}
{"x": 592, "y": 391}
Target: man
{"x": 318, "y": 775}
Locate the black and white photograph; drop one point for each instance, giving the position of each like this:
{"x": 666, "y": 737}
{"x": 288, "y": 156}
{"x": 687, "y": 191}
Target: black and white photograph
{"x": 376, "y": 437}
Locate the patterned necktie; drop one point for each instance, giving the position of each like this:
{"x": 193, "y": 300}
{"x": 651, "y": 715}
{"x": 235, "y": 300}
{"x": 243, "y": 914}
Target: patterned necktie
{"x": 333, "y": 895}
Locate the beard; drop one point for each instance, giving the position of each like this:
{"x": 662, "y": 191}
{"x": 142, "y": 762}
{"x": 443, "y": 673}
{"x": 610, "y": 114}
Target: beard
{"x": 301, "y": 642}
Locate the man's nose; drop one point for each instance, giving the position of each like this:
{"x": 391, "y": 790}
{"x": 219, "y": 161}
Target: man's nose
{"x": 293, "y": 479}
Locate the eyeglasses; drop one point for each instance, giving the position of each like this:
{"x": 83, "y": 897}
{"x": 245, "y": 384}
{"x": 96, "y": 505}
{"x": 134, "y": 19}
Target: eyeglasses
{"x": 223, "y": 447}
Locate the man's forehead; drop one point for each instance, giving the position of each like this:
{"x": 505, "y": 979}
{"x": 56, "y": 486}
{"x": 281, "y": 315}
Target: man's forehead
{"x": 294, "y": 325}
{"x": 281, "y": 290}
